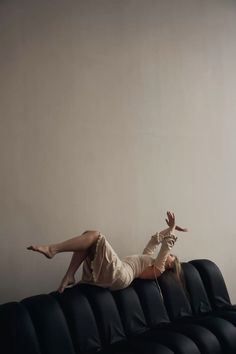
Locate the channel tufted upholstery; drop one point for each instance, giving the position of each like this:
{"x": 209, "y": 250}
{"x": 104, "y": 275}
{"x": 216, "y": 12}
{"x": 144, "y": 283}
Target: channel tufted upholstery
{"x": 147, "y": 317}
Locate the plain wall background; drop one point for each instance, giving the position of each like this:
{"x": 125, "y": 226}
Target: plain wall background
{"x": 112, "y": 112}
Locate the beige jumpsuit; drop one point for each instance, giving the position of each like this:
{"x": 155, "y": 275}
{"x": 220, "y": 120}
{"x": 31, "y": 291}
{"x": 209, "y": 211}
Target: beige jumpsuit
{"x": 107, "y": 270}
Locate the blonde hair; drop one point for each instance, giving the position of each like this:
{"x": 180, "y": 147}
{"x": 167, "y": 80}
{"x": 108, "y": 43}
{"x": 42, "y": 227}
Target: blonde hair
{"x": 177, "y": 269}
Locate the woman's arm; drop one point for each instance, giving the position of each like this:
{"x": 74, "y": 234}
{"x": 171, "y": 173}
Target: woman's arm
{"x": 158, "y": 237}
{"x": 150, "y": 272}
{"x": 152, "y": 244}
{"x": 159, "y": 266}
{"x": 167, "y": 244}
{"x": 155, "y": 240}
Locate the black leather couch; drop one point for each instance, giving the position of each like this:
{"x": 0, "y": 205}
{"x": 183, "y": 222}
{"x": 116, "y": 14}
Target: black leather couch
{"x": 147, "y": 317}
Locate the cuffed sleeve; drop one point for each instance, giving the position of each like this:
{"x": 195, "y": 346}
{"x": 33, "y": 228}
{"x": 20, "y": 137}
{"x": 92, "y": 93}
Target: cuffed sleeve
{"x": 167, "y": 244}
{"x": 152, "y": 244}
{"x": 155, "y": 240}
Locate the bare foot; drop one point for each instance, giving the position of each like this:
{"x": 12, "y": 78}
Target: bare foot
{"x": 45, "y": 250}
{"x": 67, "y": 282}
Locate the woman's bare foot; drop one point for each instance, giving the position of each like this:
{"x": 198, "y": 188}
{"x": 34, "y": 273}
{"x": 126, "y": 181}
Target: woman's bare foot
{"x": 67, "y": 281}
{"x": 45, "y": 250}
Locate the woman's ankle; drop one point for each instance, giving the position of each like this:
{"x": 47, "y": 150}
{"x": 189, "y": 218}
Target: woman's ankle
{"x": 52, "y": 249}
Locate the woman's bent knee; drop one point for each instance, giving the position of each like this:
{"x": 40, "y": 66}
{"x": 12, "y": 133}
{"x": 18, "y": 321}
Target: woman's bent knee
{"x": 93, "y": 235}
{"x": 91, "y": 232}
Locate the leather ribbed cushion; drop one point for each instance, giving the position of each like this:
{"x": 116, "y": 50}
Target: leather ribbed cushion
{"x": 175, "y": 297}
{"x": 88, "y": 319}
{"x": 204, "y": 339}
{"x": 157, "y": 318}
{"x": 17, "y": 330}
{"x": 214, "y": 283}
{"x": 197, "y": 294}
{"x": 198, "y": 297}
{"x": 130, "y": 311}
{"x": 137, "y": 348}
{"x": 136, "y": 328}
{"x": 152, "y": 348}
{"x": 176, "y": 342}
{"x": 80, "y": 320}
{"x": 106, "y": 313}
{"x": 50, "y": 324}
{"x": 221, "y": 328}
{"x": 151, "y": 301}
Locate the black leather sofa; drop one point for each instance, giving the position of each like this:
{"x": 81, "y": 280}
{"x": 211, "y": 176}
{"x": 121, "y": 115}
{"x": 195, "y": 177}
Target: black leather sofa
{"x": 147, "y": 317}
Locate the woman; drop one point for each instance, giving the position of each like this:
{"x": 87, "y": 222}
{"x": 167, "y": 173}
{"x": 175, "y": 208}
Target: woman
{"x": 103, "y": 267}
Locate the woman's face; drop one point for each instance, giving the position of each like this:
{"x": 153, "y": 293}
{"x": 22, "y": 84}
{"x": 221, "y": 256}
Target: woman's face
{"x": 170, "y": 261}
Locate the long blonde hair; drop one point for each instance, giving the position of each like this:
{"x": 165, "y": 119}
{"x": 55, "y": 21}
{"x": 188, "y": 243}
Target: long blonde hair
{"x": 177, "y": 269}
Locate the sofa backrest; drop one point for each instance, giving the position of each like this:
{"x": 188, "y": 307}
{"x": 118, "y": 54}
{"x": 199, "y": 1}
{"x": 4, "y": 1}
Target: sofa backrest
{"x": 175, "y": 298}
{"x": 195, "y": 289}
{"x": 152, "y": 302}
{"x": 80, "y": 320}
{"x": 213, "y": 282}
{"x": 50, "y": 324}
{"x": 17, "y": 331}
{"x": 86, "y": 318}
{"x": 105, "y": 312}
{"x": 140, "y": 306}
{"x": 83, "y": 319}
{"x": 130, "y": 311}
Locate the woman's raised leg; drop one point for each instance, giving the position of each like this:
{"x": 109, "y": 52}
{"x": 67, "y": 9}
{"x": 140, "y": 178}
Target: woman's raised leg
{"x": 75, "y": 244}
{"x": 69, "y": 277}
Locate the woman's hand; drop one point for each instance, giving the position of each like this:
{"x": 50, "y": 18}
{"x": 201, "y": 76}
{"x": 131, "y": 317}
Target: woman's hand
{"x": 171, "y": 222}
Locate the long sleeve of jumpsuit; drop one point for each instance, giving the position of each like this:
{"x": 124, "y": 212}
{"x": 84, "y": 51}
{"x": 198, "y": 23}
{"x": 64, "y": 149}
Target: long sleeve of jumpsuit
{"x": 167, "y": 241}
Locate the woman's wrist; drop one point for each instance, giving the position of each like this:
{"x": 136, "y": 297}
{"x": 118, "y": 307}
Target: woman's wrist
{"x": 167, "y": 232}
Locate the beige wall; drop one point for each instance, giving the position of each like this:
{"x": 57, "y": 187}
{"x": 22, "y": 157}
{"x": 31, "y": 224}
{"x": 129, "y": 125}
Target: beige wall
{"x": 113, "y": 112}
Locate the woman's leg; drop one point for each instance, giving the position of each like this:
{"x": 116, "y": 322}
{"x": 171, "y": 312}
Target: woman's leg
{"x": 69, "y": 277}
{"x": 76, "y": 244}
{"x": 76, "y": 260}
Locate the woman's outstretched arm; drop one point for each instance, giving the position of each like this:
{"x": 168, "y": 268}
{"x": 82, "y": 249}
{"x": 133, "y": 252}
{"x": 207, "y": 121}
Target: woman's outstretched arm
{"x": 159, "y": 266}
{"x": 157, "y": 238}
{"x": 152, "y": 244}
{"x": 168, "y": 241}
